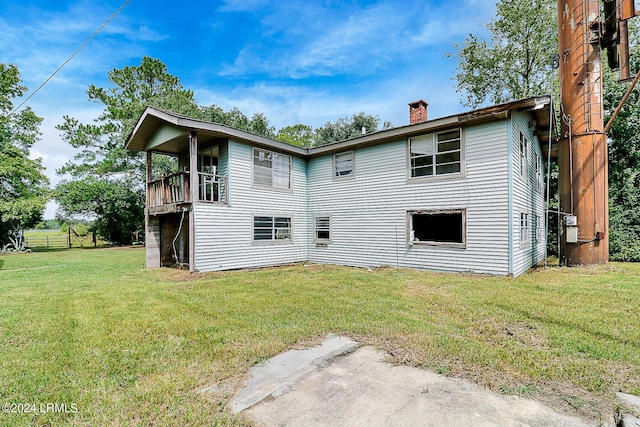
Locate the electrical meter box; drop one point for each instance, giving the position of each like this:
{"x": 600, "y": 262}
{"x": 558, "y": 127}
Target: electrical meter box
{"x": 572, "y": 234}
{"x": 571, "y": 221}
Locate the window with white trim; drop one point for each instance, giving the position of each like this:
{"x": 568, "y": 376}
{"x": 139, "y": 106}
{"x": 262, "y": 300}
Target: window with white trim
{"x": 437, "y": 227}
{"x": 524, "y": 227}
{"x": 524, "y": 156}
{"x": 539, "y": 178}
{"x": 322, "y": 229}
{"x": 271, "y": 169}
{"x": 436, "y": 154}
{"x": 539, "y": 228}
{"x": 343, "y": 165}
{"x": 270, "y": 228}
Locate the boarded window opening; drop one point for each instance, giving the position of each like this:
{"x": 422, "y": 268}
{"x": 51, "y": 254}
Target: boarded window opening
{"x": 437, "y": 227}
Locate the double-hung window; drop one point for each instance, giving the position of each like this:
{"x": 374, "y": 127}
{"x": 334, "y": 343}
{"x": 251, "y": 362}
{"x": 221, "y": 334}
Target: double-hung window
{"x": 271, "y": 169}
{"x": 524, "y": 156}
{"x": 524, "y": 227}
{"x": 436, "y": 154}
{"x": 539, "y": 228}
{"x": 539, "y": 178}
{"x": 343, "y": 165}
{"x": 270, "y": 228}
{"x": 322, "y": 229}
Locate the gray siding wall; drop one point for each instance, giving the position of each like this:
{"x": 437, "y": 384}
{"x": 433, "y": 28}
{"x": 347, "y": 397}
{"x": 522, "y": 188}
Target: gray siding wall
{"x": 369, "y": 212}
{"x": 224, "y": 233}
{"x": 528, "y": 197}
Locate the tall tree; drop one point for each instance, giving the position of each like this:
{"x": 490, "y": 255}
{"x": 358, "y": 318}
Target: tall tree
{"x": 103, "y": 169}
{"x": 624, "y": 161}
{"x": 299, "y": 135}
{"x": 514, "y": 64}
{"x": 24, "y": 189}
{"x": 347, "y": 128}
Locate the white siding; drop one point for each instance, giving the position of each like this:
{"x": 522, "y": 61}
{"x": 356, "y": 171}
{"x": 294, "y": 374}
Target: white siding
{"x": 224, "y": 233}
{"x": 368, "y": 212}
{"x": 527, "y": 198}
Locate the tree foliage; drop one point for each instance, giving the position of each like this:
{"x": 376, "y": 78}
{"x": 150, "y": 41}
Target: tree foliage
{"x": 23, "y": 185}
{"x": 118, "y": 209}
{"x": 624, "y": 162}
{"x": 299, "y": 135}
{"x": 514, "y": 64}
{"x": 104, "y": 165}
{"x": 347, "y": 128}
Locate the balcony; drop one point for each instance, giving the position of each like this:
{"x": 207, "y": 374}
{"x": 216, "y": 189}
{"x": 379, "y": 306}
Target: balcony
{"x": 165, "y": 193}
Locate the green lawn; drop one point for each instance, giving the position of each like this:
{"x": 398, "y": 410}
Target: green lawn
{"x": 126, "y": 346}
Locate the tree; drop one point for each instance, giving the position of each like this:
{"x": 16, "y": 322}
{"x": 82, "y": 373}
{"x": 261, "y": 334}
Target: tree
{"x": 347, "y": 128}
{"x": 624, "y": 162}
{"x": 24, "y": 189}
{"x": 299, "y": 135}
{"x": 119, "y": 210}
{"x": 258, "y": 124}
{"x": 103, "y": 164}
{"x": 514, "y": 64}
{"x": 108, "y": 180}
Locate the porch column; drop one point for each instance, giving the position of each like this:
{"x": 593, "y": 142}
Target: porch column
{"x": 149, "y": 174}
{"x": 194, "y": 190}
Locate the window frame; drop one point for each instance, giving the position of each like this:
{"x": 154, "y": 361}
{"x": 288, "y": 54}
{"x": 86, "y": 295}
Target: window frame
{"x": 539, "y": 227}
{"x": 525, "y": 228}
{"x": 410, "y": 231}
{"x": 254, "y": 155}
{"x": 318, "y": 240}
{"x": 351, "y": 175}
{"x": 539, "y": 175}
{"x": 434, "y": 154}
{"x": 523, "y": 150}
{"x": 273, "y": 240}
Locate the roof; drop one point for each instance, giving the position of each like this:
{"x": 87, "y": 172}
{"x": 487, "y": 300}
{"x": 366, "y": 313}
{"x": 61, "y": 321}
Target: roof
{"x": 153, "y": 119}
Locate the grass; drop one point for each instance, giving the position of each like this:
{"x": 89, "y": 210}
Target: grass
{"x": 128, "y": 346}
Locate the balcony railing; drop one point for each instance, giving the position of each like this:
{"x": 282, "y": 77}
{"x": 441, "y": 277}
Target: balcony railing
{"x": 174, "y": 188}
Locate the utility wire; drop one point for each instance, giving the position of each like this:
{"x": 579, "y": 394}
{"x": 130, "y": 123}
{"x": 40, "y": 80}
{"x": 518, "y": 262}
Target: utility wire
{"x": 71, "y": 57}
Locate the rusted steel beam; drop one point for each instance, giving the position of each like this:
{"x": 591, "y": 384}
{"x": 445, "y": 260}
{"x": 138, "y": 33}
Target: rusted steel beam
{"x": 622, "y": 101}
{"x": 582, "y": 150}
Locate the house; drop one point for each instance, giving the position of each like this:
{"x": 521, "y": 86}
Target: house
{"x": 462, "y": 193}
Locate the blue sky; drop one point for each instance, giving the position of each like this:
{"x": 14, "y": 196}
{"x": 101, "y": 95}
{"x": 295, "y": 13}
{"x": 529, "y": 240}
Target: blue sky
{"x": 296, "y": 61}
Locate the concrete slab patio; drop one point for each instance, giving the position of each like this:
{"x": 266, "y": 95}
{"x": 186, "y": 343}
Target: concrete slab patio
{"x": 315, "y": 387}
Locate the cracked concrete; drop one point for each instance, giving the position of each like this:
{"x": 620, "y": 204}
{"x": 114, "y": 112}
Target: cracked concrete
{"x": 315, "y": 387}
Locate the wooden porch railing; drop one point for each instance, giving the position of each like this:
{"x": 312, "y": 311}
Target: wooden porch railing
{"x": 174, "y": 188}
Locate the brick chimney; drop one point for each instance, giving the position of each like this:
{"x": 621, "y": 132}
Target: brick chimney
{"x": 418, "y": 112}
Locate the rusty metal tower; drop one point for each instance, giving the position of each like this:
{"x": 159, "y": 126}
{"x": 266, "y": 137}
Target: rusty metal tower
{"x": 582, "y": 149}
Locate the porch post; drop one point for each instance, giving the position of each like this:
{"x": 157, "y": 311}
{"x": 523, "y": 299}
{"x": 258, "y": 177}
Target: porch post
{"x": 149, "y": 174}
{"x": 193, "y": 189}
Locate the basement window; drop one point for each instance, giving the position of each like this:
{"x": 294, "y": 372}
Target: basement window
{"x": 270, "y": 228}
{"x": 437, "y": 227}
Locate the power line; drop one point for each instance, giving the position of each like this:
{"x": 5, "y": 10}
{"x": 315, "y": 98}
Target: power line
{"x": 72, "y": 56}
